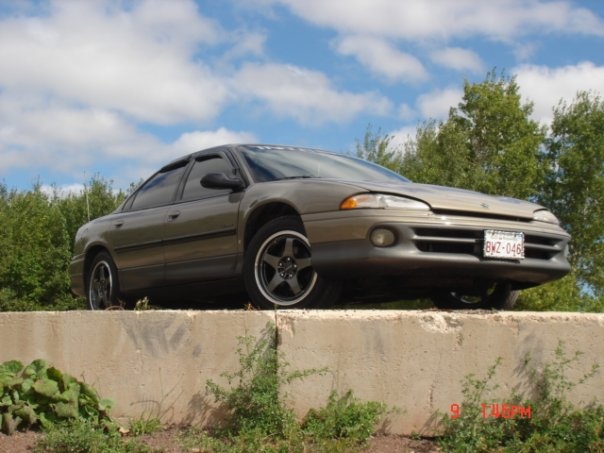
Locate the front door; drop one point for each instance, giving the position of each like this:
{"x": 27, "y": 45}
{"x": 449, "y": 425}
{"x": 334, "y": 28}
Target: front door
{"x": 200, "y": 240}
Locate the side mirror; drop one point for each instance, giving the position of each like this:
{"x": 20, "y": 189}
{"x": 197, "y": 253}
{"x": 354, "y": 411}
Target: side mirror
{"x": 222, "y": 181}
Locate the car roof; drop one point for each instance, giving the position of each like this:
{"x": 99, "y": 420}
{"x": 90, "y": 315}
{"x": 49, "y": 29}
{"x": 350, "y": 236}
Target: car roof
{"x": 187, "y": 157}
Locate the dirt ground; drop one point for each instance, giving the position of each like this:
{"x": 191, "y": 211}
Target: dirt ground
{"x": 166, "y": 442}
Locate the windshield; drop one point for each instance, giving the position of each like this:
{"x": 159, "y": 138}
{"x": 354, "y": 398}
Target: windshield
{"x": 271, "y": 163}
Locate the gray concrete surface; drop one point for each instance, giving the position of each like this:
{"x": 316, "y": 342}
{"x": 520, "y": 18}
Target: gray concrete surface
{"x": 416, "y": 361}
{"x": 156, "y": 363}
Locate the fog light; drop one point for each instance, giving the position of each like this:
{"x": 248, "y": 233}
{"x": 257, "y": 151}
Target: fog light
{"x": 381, "y": 237}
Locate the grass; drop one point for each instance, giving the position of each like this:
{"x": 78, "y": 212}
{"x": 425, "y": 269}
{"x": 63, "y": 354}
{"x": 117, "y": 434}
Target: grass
{"x": 83, "y": 436}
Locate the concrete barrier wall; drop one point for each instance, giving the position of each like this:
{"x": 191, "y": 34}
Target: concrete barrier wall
{"x": 156, "y": 363}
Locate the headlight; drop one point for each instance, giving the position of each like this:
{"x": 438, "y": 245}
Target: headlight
{"x": 544, "y": 215}
{"x": 382, "y": 201}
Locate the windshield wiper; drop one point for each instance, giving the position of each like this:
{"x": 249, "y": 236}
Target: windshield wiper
{"x": 296, "y": 177}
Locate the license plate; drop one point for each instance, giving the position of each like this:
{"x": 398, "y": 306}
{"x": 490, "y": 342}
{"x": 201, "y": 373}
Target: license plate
{"x": 503, "y": 245}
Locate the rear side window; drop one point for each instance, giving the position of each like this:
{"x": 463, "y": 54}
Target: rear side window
{"x": 160, "y": 189}
{"x": 193, "y": 188}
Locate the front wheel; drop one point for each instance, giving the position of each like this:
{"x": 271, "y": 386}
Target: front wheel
{"x": 102, "y": 284}
{"x": 499, "y": 296}
{"x": 278, "y": 270}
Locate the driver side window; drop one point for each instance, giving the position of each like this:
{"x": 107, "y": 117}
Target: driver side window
{"x": 193, "y": 189}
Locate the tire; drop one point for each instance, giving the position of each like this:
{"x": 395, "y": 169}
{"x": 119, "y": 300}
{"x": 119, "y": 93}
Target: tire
{"x": 278, "y": 272}
{"x": 499, "y": 296}
{"x": 102, "y": 287}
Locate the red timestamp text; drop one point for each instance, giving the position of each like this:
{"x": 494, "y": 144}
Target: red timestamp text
{"x": 496, "y": 410}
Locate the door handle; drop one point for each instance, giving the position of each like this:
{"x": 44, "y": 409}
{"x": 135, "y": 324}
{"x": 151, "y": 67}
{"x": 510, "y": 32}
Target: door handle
{"x": 173, "y": 216}
{"x": 118, "y": 223}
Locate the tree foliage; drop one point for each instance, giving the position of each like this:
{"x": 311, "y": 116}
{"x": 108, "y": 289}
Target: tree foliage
{"x": 35, "y": 249}
{"x": 36, "y": 242}
{"x": 379, "y": 148}
{"x": 574, "y": 187}
{"x": 490, "y": 144}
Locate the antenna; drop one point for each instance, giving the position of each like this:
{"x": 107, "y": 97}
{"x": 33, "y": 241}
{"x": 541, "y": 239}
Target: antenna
{"x": 86, "y": 197}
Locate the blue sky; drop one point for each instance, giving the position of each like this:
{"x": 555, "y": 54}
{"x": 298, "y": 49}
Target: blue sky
{"x": 117, "y": 88}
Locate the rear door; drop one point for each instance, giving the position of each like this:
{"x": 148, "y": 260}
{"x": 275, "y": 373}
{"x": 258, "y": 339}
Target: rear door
{"x": 137, "y": 234}
{"x": 200, "y": 240}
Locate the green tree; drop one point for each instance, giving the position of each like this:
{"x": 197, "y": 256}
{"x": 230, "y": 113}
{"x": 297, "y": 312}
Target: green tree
{"x": 98, "y": 199}
{"x": 33, "y": 265}
{"x": 377, "y": 147}
{"x": 37, "y": 239}
{"x": 438, "y": 155}
{"x": 488, "y": 143}
{"x": 574, "y": 187}
{"x": 564, "y": 294}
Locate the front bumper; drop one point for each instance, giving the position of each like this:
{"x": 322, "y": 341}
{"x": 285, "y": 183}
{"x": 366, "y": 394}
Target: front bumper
{"x": 432, "y": 250}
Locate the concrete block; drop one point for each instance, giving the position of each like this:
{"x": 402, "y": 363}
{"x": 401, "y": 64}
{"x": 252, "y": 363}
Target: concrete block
{"x": 151, "y": 363}
{"x": 416, "y": 360}
{"x": 156, "y": 363}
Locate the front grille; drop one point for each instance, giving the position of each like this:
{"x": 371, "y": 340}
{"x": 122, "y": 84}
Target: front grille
{"x": 541, "y": 247}
{"x": 444, "y": 240}
{"x": 470, "y": 242}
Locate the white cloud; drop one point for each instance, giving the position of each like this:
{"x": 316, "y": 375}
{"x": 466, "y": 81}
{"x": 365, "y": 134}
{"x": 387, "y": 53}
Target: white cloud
{"x": 85, "y": 78}
{"x": 545, "y": 86}
{"x": 445, "y": 19}
{"x": 405, "y": 112}
{"x": 136, "y": 169}
{"x": 62, "y": 191}
{"x": 246, "y": 44}
{"x": 382, "y": 58}
{"x": 401, "y": 136}
{"x": 197, "y": 140}
{"x": 524, "y": 51}
{"x": 36, "y": 132}
{"x": 305, "y": 95}
{"x": 436, "y": 104}
{"x": 138, "y": 61}
{"x": 458, "y": 59}
{"x": 49, "y": 135}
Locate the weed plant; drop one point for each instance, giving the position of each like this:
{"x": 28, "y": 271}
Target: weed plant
{"x": 84, "y": 436}
{"x": 554, "y": 424}
{"x": 343, "y": 417}
{"x": 145, "y": 425}
{"x": 259, "y": 421}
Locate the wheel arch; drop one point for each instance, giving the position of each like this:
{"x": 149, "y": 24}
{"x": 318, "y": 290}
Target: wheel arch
{"x": 91, "y": 253}
{"x": 262, "y": 215}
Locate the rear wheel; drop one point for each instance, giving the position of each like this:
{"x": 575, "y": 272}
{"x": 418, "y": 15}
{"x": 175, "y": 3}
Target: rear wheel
{"x": 102, "y": 284}
{"x": 499, "y": 296}
{"x": 278, "y": 268}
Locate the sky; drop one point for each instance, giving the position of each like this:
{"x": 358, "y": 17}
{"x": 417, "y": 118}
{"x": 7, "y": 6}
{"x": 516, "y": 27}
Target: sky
{"x": 118, "y": 88}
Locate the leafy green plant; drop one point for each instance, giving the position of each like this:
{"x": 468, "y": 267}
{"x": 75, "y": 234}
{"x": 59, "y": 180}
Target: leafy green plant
{"x": 344, "y": 417}
{"x": 259, "y": 421}
{"x": 253, "y": 402}
{"x": 38, "y": 395}
{"x": 547, "y": 421}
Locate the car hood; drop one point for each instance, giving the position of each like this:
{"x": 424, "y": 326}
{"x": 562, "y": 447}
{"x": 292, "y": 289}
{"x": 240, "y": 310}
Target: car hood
{"x": 450, "y": 200}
